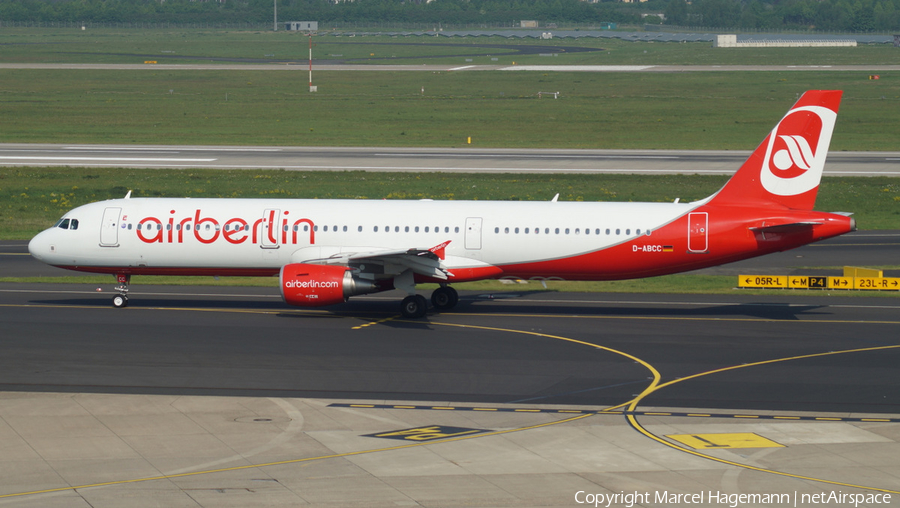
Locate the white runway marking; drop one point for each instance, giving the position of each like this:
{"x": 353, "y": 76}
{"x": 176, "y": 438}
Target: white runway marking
{"x": 109, "y": 159}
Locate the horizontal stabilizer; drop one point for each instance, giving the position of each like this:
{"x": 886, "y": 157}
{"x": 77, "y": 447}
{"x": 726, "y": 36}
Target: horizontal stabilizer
{"x": 784, "y": 227}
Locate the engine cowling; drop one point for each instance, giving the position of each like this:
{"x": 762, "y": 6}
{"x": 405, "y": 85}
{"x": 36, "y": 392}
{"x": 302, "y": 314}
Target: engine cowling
{"x": 306, "y": 285}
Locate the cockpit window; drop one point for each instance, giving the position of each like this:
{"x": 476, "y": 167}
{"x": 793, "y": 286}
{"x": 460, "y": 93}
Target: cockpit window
{"x": 67, "y": 224}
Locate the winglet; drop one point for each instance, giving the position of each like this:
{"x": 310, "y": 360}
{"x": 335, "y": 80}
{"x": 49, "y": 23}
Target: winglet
{"x": 438, "y": 250}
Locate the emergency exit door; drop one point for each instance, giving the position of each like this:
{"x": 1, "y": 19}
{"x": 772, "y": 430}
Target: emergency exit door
{"x": 698, "y": 232}
{"x": 109, "y": 227}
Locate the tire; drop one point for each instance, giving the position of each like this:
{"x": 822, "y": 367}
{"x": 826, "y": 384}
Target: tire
{"x": 120, "y": 301}
{"x": 444, "y": 298}
{"x": 414, "y": 307}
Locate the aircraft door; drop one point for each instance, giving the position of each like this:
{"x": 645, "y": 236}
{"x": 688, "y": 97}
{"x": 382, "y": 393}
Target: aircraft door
{"x": 473, "y": 233}
{"x": 268, "y": 236}
{"x": 698, "y": 230}
{"x": 109, "y": 227}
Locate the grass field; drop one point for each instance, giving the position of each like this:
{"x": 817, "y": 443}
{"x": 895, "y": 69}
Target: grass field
{"x": 696, "y": 110}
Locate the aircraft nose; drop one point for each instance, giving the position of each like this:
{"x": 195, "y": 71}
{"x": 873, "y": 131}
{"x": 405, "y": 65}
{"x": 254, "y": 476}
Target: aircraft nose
{"x": 41, "y": 246}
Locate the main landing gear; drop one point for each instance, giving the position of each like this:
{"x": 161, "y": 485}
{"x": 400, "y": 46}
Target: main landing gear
{"x": 121, "y": 299}
{"x": 415, "y": 306}
{"x": 444, "y": 297}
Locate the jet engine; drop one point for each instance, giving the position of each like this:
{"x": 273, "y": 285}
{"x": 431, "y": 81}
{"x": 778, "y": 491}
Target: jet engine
{"x": 306, "y": 285}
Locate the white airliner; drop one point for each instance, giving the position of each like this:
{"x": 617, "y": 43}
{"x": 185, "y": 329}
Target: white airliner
{"x": 326, "y": 251}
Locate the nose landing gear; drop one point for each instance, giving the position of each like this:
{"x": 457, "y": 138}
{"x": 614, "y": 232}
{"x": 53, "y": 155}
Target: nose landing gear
{"x": 121, "y": 299}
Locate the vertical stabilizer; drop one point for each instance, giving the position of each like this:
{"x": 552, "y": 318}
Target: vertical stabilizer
{"x": 786, "y": 167}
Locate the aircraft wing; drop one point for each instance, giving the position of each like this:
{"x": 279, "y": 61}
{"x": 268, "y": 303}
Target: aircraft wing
{"x": 425, "y": 262}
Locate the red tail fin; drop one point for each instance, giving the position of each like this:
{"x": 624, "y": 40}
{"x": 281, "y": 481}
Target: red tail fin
{"x": 787, "y": 166}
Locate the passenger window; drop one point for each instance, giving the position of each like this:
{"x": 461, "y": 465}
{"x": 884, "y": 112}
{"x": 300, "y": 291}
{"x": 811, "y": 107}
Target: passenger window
{"x": 496, "y": 230}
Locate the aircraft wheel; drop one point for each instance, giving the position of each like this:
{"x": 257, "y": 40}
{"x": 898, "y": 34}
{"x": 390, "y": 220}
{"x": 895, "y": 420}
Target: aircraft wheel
{"x": 120, "y": 301}
{"x": 444, "y": 298}
{"x": 414, "y": 306}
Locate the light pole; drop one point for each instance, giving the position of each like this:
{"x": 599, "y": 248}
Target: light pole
{"x": 311, "y": 87}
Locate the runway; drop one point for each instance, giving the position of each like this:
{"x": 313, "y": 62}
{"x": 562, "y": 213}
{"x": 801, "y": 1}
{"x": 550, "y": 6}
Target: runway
{"x": 224, "y": 396}
{"x": 460, "y": 160}
{"x": 194, "y": 341}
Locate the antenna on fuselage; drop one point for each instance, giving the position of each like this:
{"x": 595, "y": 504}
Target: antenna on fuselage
{"x": 556, "y": 197}
{"x": 128, "y": 196}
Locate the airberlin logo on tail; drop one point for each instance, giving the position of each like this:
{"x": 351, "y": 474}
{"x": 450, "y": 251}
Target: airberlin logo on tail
{"x": 796, "y": 151}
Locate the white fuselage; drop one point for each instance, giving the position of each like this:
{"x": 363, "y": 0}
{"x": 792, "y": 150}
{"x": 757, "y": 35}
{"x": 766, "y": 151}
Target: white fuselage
{"x": 148, "y": 234}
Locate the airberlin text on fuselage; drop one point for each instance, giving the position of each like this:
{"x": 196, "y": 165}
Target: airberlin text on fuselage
{"x": 208, "y": 230}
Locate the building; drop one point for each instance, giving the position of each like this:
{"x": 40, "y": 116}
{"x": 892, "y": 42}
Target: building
{"x": 302, "y": 26}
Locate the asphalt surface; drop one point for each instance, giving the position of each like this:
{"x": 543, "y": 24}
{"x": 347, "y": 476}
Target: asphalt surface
{"x": 422, "y": 159}
{"x": 239, "y": 342}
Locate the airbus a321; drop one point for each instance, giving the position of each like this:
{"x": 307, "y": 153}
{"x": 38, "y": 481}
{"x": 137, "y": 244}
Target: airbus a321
{"x": 326, "y": 251}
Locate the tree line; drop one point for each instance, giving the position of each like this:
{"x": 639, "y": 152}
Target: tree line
{"x": 818, "y": 15}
